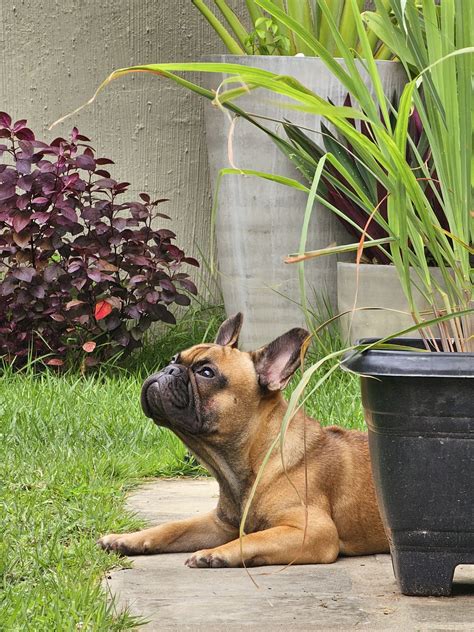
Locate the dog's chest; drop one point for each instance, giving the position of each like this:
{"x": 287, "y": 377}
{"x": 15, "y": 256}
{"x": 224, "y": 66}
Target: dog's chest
{"x": 233, "y": 514}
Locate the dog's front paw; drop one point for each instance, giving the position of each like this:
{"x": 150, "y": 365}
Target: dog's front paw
{"x": 123, "y": 543}
{"x": 207, "y": 558}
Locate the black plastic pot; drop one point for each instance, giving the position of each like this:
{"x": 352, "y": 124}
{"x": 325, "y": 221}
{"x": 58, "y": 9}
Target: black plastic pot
{"x": 420, "y": 413}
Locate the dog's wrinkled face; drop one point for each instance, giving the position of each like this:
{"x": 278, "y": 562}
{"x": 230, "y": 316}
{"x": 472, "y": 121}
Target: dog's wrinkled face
{"x": 210, "y": 388}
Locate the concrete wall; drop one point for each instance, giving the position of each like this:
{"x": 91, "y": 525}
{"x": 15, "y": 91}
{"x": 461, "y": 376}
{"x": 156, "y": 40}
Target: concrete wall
{"x": 54, "y": 54}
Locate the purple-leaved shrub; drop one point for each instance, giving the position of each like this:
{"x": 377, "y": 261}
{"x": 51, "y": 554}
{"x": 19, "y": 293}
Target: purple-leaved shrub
{"x": 81, "y": 270}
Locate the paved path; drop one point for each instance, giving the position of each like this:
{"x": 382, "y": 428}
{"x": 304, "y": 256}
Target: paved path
{"x": 352, "y": 593}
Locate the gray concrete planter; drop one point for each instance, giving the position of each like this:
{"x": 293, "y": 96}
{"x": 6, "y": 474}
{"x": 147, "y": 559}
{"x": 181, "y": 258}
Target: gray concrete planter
{"x": 259, "y": 222}
{"x": 378, "y": 286}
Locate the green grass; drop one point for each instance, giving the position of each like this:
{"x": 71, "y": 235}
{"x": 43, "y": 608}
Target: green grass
{"x": 71, "y": 447}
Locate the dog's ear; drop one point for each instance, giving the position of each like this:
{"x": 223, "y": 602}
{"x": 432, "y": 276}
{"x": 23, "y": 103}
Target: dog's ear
{"x": 276, "y": 363}
{"x": 228, "y": 334}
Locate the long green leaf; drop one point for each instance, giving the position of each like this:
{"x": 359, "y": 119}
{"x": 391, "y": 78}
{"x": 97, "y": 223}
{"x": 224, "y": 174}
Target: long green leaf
{"x": 336, "y": 250}
{"x": 232, "y": 45}
{"x": 304, "y": 234}
{"x": 234, "y": 23}
{"x": 300, "y": 11}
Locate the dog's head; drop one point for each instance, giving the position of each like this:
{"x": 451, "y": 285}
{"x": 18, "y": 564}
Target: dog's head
{"x": 210, "y": 388}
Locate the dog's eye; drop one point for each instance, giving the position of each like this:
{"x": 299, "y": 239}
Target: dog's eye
{"x": 206, "y": 371}
{"x": 174, "y": 359}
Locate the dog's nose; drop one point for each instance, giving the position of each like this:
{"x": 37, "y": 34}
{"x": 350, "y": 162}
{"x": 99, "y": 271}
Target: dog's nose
{"x": 174, "y": 370}
{"x": 152, "y": 385}
{"x": 177, "y": 370}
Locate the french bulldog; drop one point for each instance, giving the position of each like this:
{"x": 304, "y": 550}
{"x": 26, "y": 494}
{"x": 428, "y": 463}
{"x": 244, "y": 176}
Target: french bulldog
{"x": 315, "y": 499}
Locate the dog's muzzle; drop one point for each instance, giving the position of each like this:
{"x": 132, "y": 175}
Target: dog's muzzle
{"x": 166, "y": 393}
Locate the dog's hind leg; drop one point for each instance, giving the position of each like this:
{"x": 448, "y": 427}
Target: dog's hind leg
{"x": 278, "y": 545}
{"x": 172, "y": 537}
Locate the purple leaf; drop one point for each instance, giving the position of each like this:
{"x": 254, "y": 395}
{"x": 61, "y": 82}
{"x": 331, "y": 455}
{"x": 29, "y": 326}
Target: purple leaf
{"x": 22, "y": 202}
{"x": 123, "y": 339}
{"x": 191, "y": 261}
{"x": 24, "y": 274}
{"x": 79, "y": 283}
{"x": 182, "y": 299}
{"x": 167, "y": 285}
{"x": 166, "y": 316}
{"x": 25, "y": 183}
{"x": 45, "y": 166}
{"x": 101, "y": 228}
{"x": 25, "y": 134}
{"x": 40, "y": 217}
{"x": 102, "y": 172}
{"x": 58, "y": 317}
{"x": 188, "y": 285}
{"x": 22, "y": 240}
{"x": 119, "y": 223}
{"x": 164, "y": 233}
{"x": 38, "y": 291}
{"x": 137, "y": 278}
{"x": 19, "y": 125}
{"x": 20, "y": 221}
{"x": 133, "y": 312}
{"x": 174, "y": 251}
{"x": 85, "y": 162}
{"x": 95, "y": 275}
{"x": 5, "y": 119}
{"x": 105, "y": 183}
{"x": 70, "y": 180}
{"x": 152, "y": 297}
{"x": 139, "y": 260}
{"x": 6, "y": 191}
{"x": 8, "y": 175}
{"x": 74, "y": 266}
{"x": 23, "y": 166}
{"x": 69, "y": 213}
{"x": 52, "y": 272}
{"x": 26, "y": 148}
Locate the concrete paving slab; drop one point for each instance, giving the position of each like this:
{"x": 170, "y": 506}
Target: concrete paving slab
{"x": 353, "y": 592}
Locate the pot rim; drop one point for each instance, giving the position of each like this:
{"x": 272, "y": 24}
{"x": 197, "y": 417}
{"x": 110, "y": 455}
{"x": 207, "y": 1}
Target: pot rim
{"x": 215, "y": 56}
{"x": 397, "y": 363}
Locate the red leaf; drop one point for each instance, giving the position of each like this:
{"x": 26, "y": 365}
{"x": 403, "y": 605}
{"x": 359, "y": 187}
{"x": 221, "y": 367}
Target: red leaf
{"x": 89, "y": 346}
{"x": 55, "y": 362}
{"x": 102, "y": 309}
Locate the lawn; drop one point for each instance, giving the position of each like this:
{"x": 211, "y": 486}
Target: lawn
{"x": 71, "y": 447}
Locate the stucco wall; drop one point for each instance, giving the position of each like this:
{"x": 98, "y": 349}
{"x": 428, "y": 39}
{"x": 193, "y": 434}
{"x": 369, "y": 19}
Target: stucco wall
{"x": 54, "y": 54}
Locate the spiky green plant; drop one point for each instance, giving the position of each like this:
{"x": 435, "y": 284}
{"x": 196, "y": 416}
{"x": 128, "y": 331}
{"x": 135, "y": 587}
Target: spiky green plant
{"x": 256, "y": 31}
{"x": 434, "y": 43}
